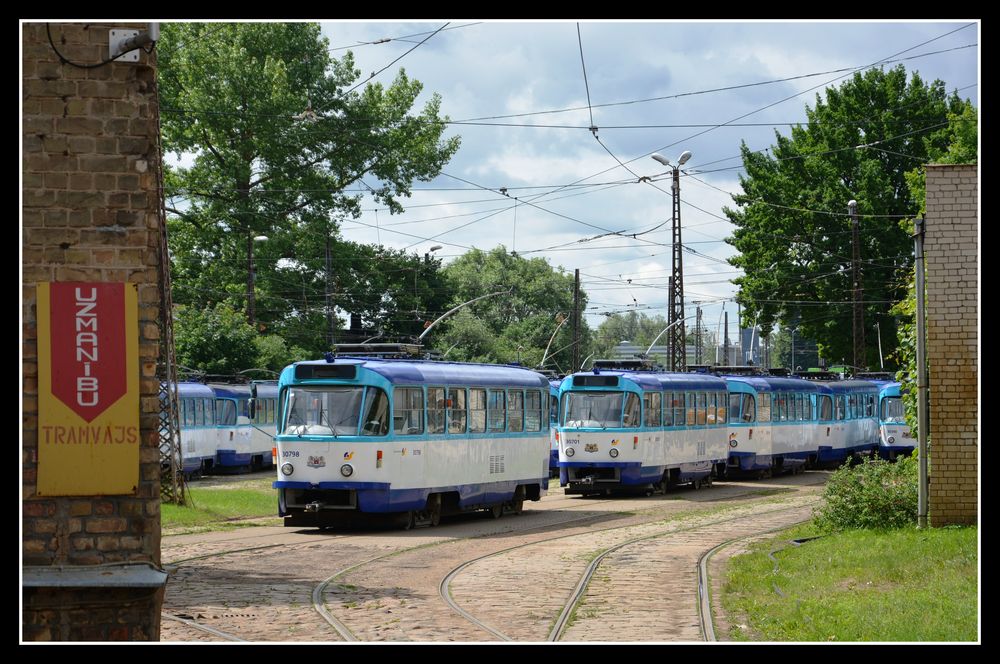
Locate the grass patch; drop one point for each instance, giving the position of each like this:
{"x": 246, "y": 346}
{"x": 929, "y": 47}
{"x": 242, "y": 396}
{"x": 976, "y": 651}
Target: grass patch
{"x": 859, "y": 585}
{"x": 211, "y": 508}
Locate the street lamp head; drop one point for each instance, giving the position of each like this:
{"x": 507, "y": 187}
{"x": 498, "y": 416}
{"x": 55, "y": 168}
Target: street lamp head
{"x": 261, "y": 238}
{"x": 436, "y": 247}
{"x": 660, "y": 158}
{"x": 684, "y": 157}
{"x": 852, "y": 204}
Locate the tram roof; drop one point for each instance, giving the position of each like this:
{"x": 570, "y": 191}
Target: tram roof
{"x": 192, "y": 390}
{"x": 892, "y": 389}
{"x": 235, "y": 391}
{"x": 432, "y": 372}
{"x": 655, "y": 380}
{"x": 775, "y": 383}
{"x": 847, "y": 386}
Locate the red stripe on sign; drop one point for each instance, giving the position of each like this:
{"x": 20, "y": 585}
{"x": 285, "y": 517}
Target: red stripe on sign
{"x": 87, "y": 321}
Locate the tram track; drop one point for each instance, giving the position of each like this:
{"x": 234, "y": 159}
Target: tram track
{"x": 580, "y": 588}
{"x": 341, "y": 612}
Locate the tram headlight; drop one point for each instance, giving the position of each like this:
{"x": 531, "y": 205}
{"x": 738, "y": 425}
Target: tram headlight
{"x": 614, "y": 452}
{"x": 570, "y": 451}
{"x": 347, "y": 470}
{"x": 892, "y": 439}
{"x": 286, "y": 469}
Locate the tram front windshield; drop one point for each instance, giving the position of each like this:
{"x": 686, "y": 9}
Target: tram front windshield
{"x": 335, "y": 411}
{"x": 892, "y": 410}
{"x": 591, "y": 410}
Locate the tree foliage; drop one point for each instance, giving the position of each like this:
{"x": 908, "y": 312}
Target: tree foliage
{"x": 793, "y": 231}
{"x": 273, "y": 134}
{"x": 521, "y": 322}
{"x": 214, "y": 341}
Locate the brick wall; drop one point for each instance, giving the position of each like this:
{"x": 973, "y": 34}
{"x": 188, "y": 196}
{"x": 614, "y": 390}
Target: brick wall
{"x": 90, "y": 213}
{"x": 951, "y": 248}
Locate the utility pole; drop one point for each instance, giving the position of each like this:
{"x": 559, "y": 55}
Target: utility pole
{"x": 697, "y": 334}
{"x": 670, "y": 321}
{"x": 725, "y": 347}
{"x": 676, "y": 344}
{"x": 739, "y": 330}
{"x": 859, "y": 321}
{"x": 922, "y": 412}
{"x": 793, "y": 350}
{"x": 328, "y": 289}
{"x": 677, "y": 336}
{"x": 576, "y": 321}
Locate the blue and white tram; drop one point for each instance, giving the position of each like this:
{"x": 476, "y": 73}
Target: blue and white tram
{"x": 409, "y": 438}
{"x": 894, "y": 435}
{"x": 242, "y": 446}
{"x": 772, "y": 424}
{"x": 847, "y": 422}
{"x": 196, "y": 416}
{"x": 640, "y": 430}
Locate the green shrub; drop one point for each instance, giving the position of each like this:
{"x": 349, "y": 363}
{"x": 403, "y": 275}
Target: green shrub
{"x": 875, "y": 494}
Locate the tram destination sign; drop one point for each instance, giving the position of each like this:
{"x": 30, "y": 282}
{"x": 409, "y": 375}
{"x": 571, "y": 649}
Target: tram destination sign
{"x": 88, "y": 389}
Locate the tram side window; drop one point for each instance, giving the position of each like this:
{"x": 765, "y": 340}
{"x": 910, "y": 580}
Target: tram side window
{"x": 852, "y": 408}
{"x": 825, "y": 408}
{"x": 632, "y": 411}
{"x": 734, "y": 406}
{"x": 199, "y": 412}
{"x": 651, "y": 403}
{"x": 840, "y": 407}
{"x": 764, "y": 409}
{"x": 515, "y": 410}
{"x": 700, "y": 407}
{"x": 376, "y": 417}
{"x": 553, "y": 409}
{"x": 225, "y": 411}
{"x": 720, "y": 408}
{"x": 533, "y": 410}
{"x": 800, "y": 403}
{"x": 477, "y": 411}
{"x": 749, "y": 408}
{"x": 869, "y": 405}
{"x": 435, "y": 410}
{"x": 672, "y": 412}
{"x": 497, "y": 409}
{"x": 691, "y": 418}
{"x": 456, "y": 410}
{"x": 407, "y": 411}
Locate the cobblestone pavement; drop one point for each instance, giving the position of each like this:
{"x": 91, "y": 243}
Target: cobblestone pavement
{"x": 257, "y": 584}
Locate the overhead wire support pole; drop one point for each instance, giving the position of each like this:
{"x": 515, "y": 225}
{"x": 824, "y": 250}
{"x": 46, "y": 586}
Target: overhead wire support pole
{"x": 858, "y": 292}
{"x": 576, "y": 322}
{"x": 677, "y": 343}
{"x": 922, "y": 412}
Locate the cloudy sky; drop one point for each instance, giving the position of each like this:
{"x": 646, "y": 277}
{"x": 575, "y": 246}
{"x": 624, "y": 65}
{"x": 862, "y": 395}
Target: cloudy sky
{"x": 521, "y": 91}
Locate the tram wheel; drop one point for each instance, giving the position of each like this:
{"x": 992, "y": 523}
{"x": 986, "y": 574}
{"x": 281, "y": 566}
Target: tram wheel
{"x": 696, "y": 485}
{"x": 517, "y": 502}
{"x": 496, "y": 511}
{"x": 409, "y": 520}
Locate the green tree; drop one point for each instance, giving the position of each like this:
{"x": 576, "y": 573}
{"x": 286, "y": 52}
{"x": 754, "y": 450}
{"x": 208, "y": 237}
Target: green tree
{"x": 216, "y": 341}
{"x": 963, "y": 140}
{"x": 792, "y": 227}
{"x": 275, "y": 134}
{"x": 519, "y": 323}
